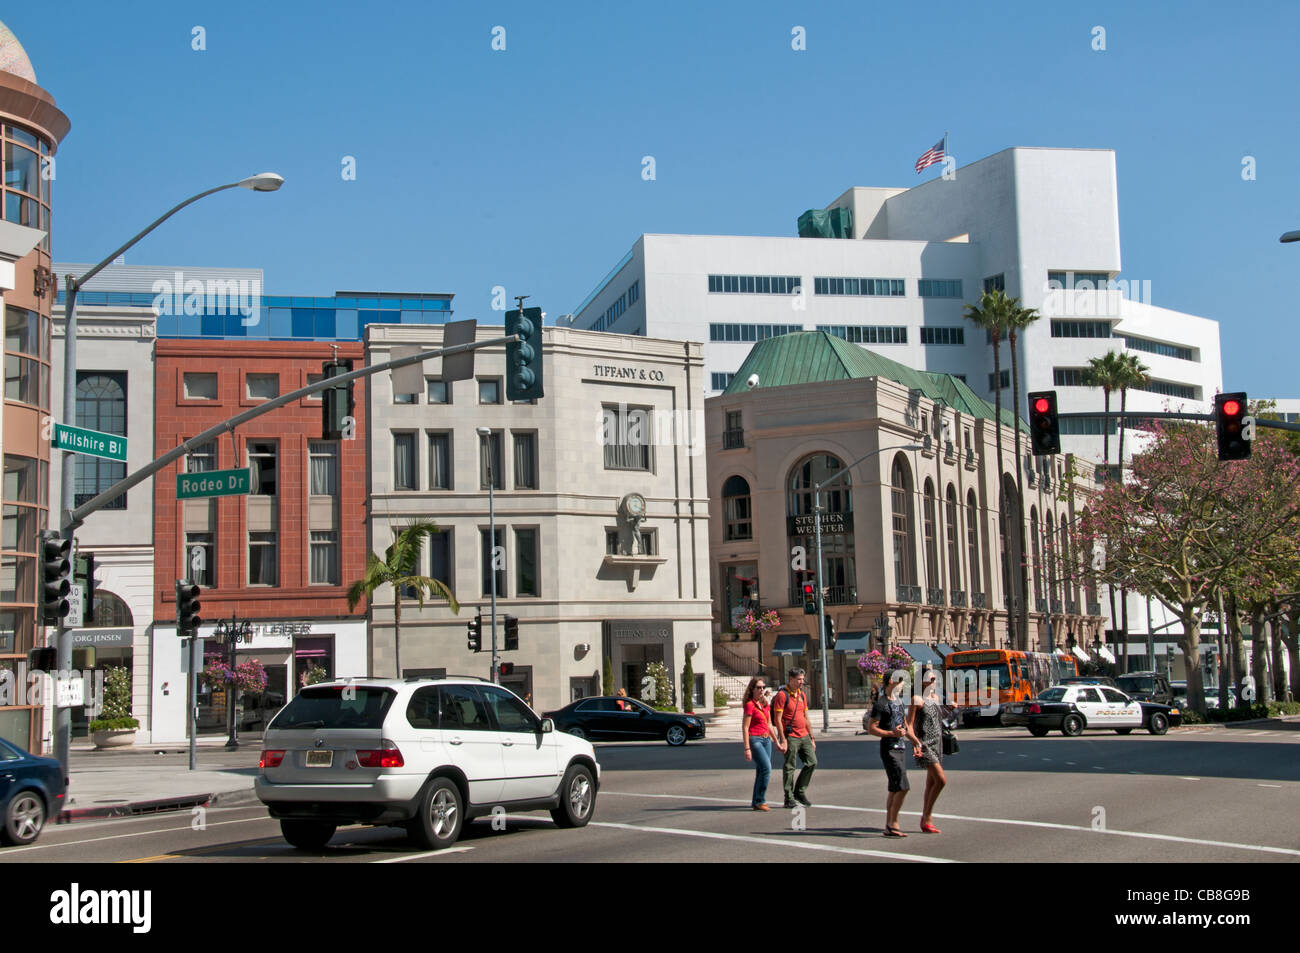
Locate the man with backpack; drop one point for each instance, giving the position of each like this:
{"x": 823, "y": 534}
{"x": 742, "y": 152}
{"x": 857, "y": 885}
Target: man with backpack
{"x": 790, "y": 717}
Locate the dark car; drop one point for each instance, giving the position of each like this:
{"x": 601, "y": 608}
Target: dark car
{"x": 615, "y": 718}
{"x": 31, "y": 791}
{"x": 1089, "y": 680}
{"x": 1073, "y": 708}
{"x": 1146, "y": 687}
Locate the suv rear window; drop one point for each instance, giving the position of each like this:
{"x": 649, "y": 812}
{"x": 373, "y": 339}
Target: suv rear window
{"x": 1132, "y": 683}
{"x": 328, "y": 708}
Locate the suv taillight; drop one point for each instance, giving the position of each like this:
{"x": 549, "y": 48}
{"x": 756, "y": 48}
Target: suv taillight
{"x": 270, "y": 759}
{"x": 1035, "y": 709}
{"x": 386, "y": 757}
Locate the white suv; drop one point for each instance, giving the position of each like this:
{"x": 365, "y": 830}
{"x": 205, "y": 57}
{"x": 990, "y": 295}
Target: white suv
{"x": 423, "y": 754}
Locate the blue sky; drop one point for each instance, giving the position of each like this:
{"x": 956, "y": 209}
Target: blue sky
{"x": 477, "y": 168}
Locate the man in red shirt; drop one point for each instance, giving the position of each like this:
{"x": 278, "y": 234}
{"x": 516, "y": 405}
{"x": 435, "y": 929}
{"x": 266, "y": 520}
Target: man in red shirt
{"x": 790, "y": 717}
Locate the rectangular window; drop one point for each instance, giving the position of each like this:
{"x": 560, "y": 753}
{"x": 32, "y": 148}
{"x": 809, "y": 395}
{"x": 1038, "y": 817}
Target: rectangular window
{"x": 262, "y": 386}
{"x": 262, "y": 562}
{"x": 750, "y": 332}
{"x": 440, "y": 469}
{"x": 201, "y": 558}
{"x": 405, "y": 398}
{"x": 1080, "y": 329}
{"x": 874, "y": 287}
{"x": 938, "y": 288}
{"x": 1006, "y": 381}
{"x": 526, "y": 563}
{"x": 1069, "y": 376}
{"x": 611, "y": 542}
{"x": 491, "y": 455}
{"x": 754, "y": 284}
{"x": 722, "y": 381}
{"x": 491, "y": 556}
{"x": 438, "y": 391}
{"x": 324, "y": 558}
{"x": 866, "y": 334}
{"x": 440, "y": 550}
{"x": 995, "y": 283}
{"x": 489, "y": 390}
{"x": 202, "y": 458}
{"x": 648, "y": 543}
{"x": 324, "y": 463}
{"x": 943, "y": 335}
{"x": 1159, "y": 347}
{"x": 200, "y": 386}
{"x": 1081, "y": 280}
{"x": 525, "y": 461}
{"x": 404, "y": 462}
{"x": 314, "y": 379}
{"x": 262, "y": 461}
{"x": 1087, "y": 426}
{"x": 23, "y": 331}
{"x": 627, "y": 436}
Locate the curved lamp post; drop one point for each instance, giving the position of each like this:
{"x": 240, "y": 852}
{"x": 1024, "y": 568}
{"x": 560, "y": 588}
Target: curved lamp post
{"x": 1290, "y": 237}
{"x": 262, "y": 182}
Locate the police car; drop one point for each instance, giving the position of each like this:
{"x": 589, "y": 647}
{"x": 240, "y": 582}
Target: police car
{"x": 1072, "y": 708}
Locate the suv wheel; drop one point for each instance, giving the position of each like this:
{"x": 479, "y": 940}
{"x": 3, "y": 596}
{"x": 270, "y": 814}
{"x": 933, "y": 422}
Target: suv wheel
{"x": 1159, "y": 724}
{"x": 576, "y": 732}
{"x": 441, "y": 815}
{"x": 577, "y": 798}
{"x": 676, "y": 735}
{"x": 307, "y": 835}
{"x": 1072, "y": 726}
{"x": 24, "y": 818}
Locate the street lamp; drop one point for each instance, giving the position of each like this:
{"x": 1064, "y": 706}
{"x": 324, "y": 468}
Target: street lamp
{"x": 821, "y": 609}
{"x": 485, "y": 433}
{"x": 262, "y": 182}
{"x": 233, "y": 633}
{"x": 1290, "y": 237}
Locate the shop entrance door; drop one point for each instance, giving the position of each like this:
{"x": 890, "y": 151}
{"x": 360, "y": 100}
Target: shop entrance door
{"x": 636, "y": 659}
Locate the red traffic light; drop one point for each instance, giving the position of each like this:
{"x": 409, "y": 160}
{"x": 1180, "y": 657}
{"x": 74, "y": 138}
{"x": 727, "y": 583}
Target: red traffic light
{"x": 1231, "y": 408}
{"x": 807, "y": 589}
{"x": 1042, "y": 405}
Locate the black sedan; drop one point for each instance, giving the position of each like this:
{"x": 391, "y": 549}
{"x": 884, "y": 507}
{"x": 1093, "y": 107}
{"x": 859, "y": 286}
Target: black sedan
{"x": 615, "y": 718}
{"x": 1073, "y": 708}
{"x": 31, "y": 792}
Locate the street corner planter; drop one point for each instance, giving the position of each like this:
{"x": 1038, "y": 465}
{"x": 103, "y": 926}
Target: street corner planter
{"x": 114, "y": 738}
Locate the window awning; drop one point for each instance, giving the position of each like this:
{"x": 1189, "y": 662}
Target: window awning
{"x": 923, "y": 654}
{"x": 1106, "y": 654}
{"x": 852, "y": 642}
{"x": 1080, "y": 654}
{"x": 790, "y": 645}
{"x": 944, "y": 649}
{"x": 1061, "y": 653}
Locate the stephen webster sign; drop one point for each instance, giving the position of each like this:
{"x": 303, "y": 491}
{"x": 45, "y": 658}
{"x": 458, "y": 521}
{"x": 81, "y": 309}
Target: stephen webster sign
{"x": 833, "y": 524}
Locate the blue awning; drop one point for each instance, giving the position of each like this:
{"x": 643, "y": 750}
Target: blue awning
{"x": 791, "y": 645}
{"x": 852, "y": 642}
{"x": 923, "y": 654}
{"x": 944, "y": 649}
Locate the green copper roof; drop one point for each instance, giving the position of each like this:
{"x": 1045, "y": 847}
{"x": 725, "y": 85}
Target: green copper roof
{"x": 812, "y": 357}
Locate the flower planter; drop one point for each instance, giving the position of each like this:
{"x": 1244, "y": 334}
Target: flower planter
{"x": 114, "y": 738}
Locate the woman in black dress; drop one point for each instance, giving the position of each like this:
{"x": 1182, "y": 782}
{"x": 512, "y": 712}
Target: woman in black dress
{"x": 889, "y": 723}
{"x": 927, "y": 736}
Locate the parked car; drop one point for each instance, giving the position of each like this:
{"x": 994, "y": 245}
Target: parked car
{"x": 1180, "y": 693}
{"x": 616, "y": 718}
{"x": 1089, "y": 680}
{"x": 422, "y": 754}
{"x": 1146, "y": 686}
{"x": 1073, "y": 708}
{"x": 32, "y": 789}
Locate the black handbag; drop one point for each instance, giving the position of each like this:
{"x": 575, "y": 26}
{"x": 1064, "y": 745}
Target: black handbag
{"x": 950, "y": 745}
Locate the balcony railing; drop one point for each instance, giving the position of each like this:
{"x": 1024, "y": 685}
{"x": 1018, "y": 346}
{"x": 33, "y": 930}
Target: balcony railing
{"x": 1094, "y": 608}
{"x": 949, "y": 452}
{"x": 1042, "y": 605}
{"x": 831, "y": 596}
{"x": 970, "y": 459}
{"x": 909, "y": 594}
{"x": 1056, "y": 606}
{"x": 935, "y": 597}
{"x": 1071, "y": 607}
{"x": 959, "y": 598}
{"x": 733, "y": 439}
{"x": 978, "y": 600}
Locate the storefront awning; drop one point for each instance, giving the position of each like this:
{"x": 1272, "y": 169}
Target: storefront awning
{"x": 1061, "y": 653}
{"x": 1080, "y": 654}
{"x": 852, "y": 642}
{"x": 1106, "y": 654}
{"x": 923, "y": 654}
{"x": 790, "y": 645}
{"x": 944, "y": 649}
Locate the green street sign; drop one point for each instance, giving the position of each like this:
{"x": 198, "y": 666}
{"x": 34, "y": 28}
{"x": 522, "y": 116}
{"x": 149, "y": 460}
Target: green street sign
{"x": 190, "y": 486}
{"x": 91, "y": 442}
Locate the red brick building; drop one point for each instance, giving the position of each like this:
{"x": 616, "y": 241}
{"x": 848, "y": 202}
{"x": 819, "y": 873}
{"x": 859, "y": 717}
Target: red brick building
{"x": 282, "y": 556}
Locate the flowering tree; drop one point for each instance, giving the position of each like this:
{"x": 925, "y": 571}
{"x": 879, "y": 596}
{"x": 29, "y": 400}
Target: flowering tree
{"x": 1186, "y": 525}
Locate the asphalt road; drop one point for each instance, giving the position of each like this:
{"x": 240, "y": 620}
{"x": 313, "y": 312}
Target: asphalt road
{"x": 1215, "y": 796}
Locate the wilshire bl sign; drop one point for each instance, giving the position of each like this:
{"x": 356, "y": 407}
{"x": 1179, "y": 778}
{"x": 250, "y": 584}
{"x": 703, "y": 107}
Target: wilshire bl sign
{"x": 92, "y": 442}
{"x": 833, "y": 524}
{"x": 213, "y": 483}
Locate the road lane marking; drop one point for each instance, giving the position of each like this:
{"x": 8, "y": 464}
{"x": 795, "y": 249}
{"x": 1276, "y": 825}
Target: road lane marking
{"x": 1189, "y": 779}
{"x": 986, "y": 820}
{"x": 431, "y": 853}
{"x": 53, "y": 825}
{"x": 10, "y": 851}
{"x": 1270, "y": 785}
{"x": 769, "y": 842}
{"x": 1071, "y": 763}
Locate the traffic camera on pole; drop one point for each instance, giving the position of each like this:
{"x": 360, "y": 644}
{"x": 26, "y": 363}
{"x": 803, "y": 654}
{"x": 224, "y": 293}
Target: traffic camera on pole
{"x": 187, "y": 609}
{"x": 56, "y": 567}
{"x": 1230, "y": 426}
{"x": 475, "y": 627}
{"x": 524, "y": 359}
{"x": 1044, "y": 426}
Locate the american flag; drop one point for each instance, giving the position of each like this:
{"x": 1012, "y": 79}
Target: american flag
{"x": 932, "y": 155}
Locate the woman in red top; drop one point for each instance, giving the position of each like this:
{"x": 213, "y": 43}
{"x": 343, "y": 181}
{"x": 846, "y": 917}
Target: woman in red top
{"x": 759, "y": 733}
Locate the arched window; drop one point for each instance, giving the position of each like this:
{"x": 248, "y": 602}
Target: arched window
{"x": 1038, "y": 555}
{"x": 954, "y": 556}
{"x": 837, "y": 571}
{"x": 111, "y": 611}
{"x": 904, "y": 524}
{"x": 101, "y": 405}
{"x": 738, "y": 508}
{"x": 931, "y": 540}
{"x": 973, "y": 541}
{"x": 811, "y": 471}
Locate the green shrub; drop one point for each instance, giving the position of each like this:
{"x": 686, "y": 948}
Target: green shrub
{"x": 1191, "y": 718}
{"x": 688, "y": 686}
{"x": 1283, "y": 708}
{"x": 662, "y": 699}
{"x": 113, "y": 724}
{"x": 720, "y": 698}
{"x": 607, "y": 681}
{"x": 117, "y": 694}
{"x": 1248, "y": 713}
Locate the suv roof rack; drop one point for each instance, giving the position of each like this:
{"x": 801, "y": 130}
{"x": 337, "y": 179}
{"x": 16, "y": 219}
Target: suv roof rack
{"x": 438, "y": 678}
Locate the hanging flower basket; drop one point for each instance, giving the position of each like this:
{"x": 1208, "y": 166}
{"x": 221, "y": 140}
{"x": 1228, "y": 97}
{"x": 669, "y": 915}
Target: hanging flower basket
{"x": 247, "y": 676}
{"x": 750, "y": 623}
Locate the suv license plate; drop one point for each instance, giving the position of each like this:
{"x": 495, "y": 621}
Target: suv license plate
{"x": 320, "y": 759}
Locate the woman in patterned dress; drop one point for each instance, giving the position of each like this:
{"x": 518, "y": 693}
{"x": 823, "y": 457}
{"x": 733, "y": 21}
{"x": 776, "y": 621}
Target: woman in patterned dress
{"x": 927, "y": 729}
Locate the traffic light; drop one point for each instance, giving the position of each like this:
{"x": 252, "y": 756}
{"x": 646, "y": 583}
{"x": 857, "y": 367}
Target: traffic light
{"x": 55, "y": 569}
{"x": 1229, "y": 421}
{"x": 512, "y": 633}
{"x": 506, "y": 668}
{"x": 809, "y": 599}
{"x": 830, "y": 632}
{"x": 43, "y": 660}
{"x": 1044, "y": 427}
{"x": 187, "y": 609}
{"x": 83, "y": 573}
{"x": 337, "y": 402}
{"x": 524, "y": 359}
{"x": 475, "y": 643}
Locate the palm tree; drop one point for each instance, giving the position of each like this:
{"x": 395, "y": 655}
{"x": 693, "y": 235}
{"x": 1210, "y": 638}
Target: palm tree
{"x": 1020, "y": 319}
{"x": 1107, "y": 372}
{"x": 400, "y": 569}
{"x": 1133, "y": 373}
{"x": 993, "y": 314}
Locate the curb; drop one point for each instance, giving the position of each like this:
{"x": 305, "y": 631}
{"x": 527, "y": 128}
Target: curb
{"x": 159, "y": 806}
